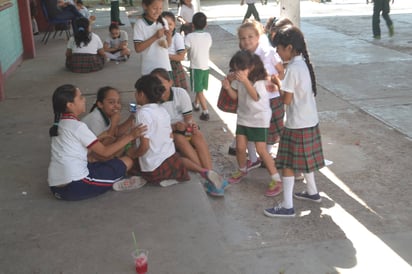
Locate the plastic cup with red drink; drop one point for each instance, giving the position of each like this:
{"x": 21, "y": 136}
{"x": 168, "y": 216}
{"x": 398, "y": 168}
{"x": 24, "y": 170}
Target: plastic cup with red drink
{"x": 140, "y": 258}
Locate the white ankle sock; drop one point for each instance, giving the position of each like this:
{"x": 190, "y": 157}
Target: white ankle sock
{"x": 276, "y": 177}
{"x": 288, "y": 183}
{"x": 310, "y": 183}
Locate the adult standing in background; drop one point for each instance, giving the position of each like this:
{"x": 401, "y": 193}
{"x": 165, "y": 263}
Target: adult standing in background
{"x": 115, "y": 12}
{"x": 378, "y": 7}
{"x": 251, "y": 10}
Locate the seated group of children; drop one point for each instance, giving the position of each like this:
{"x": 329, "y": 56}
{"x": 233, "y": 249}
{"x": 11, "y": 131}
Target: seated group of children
{"x": 158, "y": 144}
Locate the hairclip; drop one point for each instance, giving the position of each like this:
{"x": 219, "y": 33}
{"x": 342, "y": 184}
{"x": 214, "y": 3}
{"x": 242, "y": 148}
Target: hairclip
{"x": 80, "y": 29}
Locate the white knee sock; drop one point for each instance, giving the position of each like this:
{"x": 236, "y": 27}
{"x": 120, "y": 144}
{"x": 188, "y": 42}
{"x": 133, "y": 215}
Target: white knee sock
{"x": 251, "y": 151}
{"x": 288, "y": 183}
{"x": 310, "y": 183}
{"x": 269, "y": 149}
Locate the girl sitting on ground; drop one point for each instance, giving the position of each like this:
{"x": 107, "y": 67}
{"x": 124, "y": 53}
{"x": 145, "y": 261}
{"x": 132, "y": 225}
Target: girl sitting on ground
{"x": 85, "y": 49}
{"x": 70, "y": 176}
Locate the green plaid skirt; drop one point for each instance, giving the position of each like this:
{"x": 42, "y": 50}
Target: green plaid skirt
{"x": 276, "y": 121}
{"x": 300, "y": 150}
{"x": 179, "y": 75}
{"x": 84, "y": 63}
{"x": 171, "y": 168}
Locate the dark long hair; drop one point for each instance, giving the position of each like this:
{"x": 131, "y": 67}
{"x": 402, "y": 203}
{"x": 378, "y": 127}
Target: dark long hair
{"x": 290, "y": 35}
{"x": 148, "y": 3}
{"x": 245, "y": 60}
{"x": 152, "y": 87}
{"x": 61, "y": 96}
{"x": 82, "y": 34}
{"x": 101, "y": 95}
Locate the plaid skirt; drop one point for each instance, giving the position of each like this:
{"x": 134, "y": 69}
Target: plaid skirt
{"x": 179, "y": 75}
{"x": 300, "y": 150}
{"x": 171, "y": 168}
{"x": 84, "y": 63}
{"x": 276, "y": 121}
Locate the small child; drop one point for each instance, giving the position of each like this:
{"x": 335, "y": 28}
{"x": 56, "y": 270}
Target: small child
{"x": 84, "y": 11}
{"x": 70, "y": 176}
{"x": 152, "y": 37}
{"x": 253, "y": 111}
{"x": 177, "y": 52}
{"x": 115, "y": 46}
{"x": 300, "y": 147}
{"x": 198, "y": 43}
{"x": 185, "y": 15}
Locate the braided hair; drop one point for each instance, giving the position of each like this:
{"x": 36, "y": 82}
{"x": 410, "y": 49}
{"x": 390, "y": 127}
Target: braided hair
{"x": 290, "y": 35}
{"x": 61, "y": 96}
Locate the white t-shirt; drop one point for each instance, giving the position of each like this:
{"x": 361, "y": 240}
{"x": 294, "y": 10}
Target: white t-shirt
{"x": 95, "y": 122}
{"x": 179, "y": 104}
{"x": 270, "y": 58}
{"x": 92, "y": 47}
{"x": 68, "y": 160}
{"x": 115, "y": 42}
{"x": 199, "y": 43}
{"x": 161, "y": 145}
{"x": 178, "y": 44}
{"x": 186, "y": 13}
{"x": 302, "y": 112}
{"x": 251, "y": 113}
{"x": 154, "y": 56}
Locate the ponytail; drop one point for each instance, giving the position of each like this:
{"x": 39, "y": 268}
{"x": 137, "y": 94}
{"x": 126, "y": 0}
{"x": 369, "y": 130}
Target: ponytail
{"x": 53, "y": 130}
{"x": 61, "y": 96}
{"x": 311, "y": 71}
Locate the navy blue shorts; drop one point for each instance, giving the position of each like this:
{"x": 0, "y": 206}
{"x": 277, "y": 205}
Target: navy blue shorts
{"x": 102, "y": 176}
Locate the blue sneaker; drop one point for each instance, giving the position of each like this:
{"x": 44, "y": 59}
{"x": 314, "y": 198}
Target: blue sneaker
{"x": 279, "y": 211}
{"x": 213, "y": 191}
{"x": 305, "y": 196}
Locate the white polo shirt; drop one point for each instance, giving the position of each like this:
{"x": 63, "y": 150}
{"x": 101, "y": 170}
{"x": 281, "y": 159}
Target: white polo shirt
{"x": 251, "y": 113}
{"x": 186, "y": 13}
{"x": 199, "y": 43}
{"x": 179, "y": 104}
{"x": 158, "y": 132}
{"x": 302, "y": 112}
{"x": 178, "y": 44}
{"x": 153, "y": 56}
{"x": 68, "y": 161}
{"x": 92, "y": 47}
{"x": 95, "y": 122}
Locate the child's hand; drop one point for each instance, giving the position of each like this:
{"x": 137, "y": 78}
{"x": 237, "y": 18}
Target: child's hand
{"x": 226, "y": 83}
{"x": 138, "y": 131}
{"x": 115, "y": 118}
{"x": 241, "y": 75}
{"x": 231, "y": 76}
{"x": 180, "y": 126}
{"x": 160, "y": 33}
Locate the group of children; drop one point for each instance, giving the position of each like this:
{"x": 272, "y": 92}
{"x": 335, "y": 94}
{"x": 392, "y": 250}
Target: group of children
{"x": 271, "y": 75}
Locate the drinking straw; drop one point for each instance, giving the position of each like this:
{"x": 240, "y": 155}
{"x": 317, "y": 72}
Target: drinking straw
{"x": 135, "y": 243}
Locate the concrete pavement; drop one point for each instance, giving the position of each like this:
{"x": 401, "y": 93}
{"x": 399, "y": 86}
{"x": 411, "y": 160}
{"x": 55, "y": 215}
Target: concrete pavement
{"x": 362, "y": 226}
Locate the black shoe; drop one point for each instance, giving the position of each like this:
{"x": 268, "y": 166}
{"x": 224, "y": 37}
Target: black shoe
{"x": 232, "y": 151}
{"x": 121, "y": 24}
{"x": 204, "y": 117}
{"x": 195, "y": 108}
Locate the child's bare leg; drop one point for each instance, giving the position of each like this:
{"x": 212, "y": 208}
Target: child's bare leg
{"x": 266, "y": 157}
{"x": 200, "y": 98}
{"x": 185, "y": 148}
{"x": 127, "y": 161}
{"x": 241, "y": 144}
{"x": 202, "y": 150}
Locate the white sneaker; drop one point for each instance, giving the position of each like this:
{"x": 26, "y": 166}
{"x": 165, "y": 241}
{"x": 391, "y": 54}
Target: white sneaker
{"x": 131, "y": 183}
{"x": 166, "y": 183}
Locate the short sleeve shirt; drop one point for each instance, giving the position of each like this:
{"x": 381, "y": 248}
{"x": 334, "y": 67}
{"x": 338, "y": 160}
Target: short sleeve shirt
{"x": 95, "y": 122}
{"x": 302, "y": 112}
{"x": 154, "y": 56}
{"x": 178, "y": 44}
{"x": 91, "y": 48}
{"x": 178, "y": 105}
{"x": 186, "y": 13}
{"x": 199, "y": 43}
{"x": 115, "y": 42}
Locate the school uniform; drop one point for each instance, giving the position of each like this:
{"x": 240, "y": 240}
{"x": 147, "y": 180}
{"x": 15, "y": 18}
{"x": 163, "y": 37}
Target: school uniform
{"x": 300, "y": 146}
{"x": 85, "y": 58}
{"x": 178, "y": 73}
{"x": 153, "y": 56}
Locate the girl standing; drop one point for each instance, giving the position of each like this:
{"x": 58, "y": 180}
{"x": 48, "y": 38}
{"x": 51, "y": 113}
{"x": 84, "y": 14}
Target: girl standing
{"x": 300, "y": 147}
{"x": 184, "y": 16}
{"x": 152, "y": 38}
{"x": 253, "y": 112}
{"x": 70, "y": 176}
{"x": 85, "y": 51}
{"x": 250, "y": 39}
{"x": 177, "y": 52}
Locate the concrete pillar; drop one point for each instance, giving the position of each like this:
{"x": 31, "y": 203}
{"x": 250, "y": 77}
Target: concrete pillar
{"x": 291, "y": 9}
{"x": 196, "y": 5}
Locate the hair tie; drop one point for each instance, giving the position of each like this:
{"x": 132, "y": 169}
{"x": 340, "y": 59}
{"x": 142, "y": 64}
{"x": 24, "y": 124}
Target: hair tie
{"x": 55, "y": 124}
{"x": 80, "y": 29}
